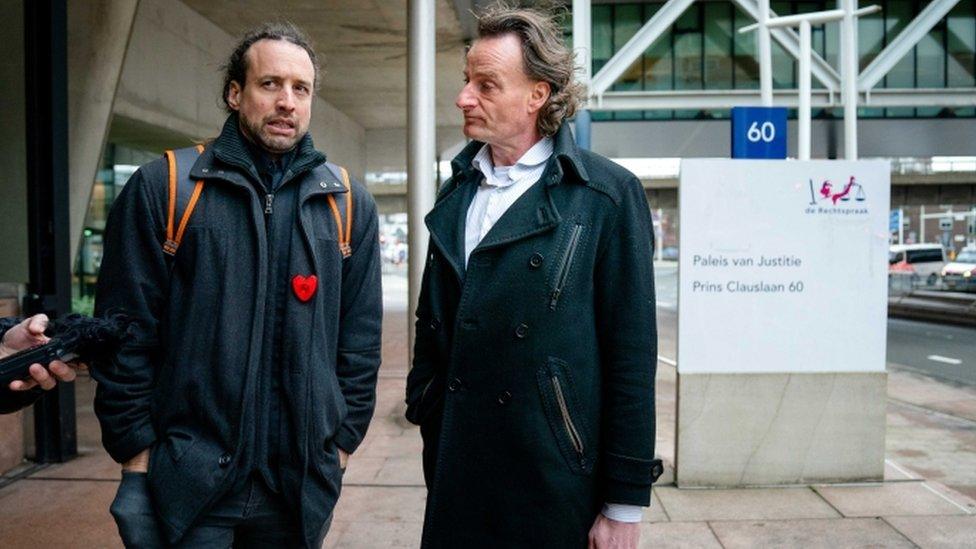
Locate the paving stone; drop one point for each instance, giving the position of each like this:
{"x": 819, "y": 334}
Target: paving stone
{"x": 890, "y": 499}
{"x": 677, "y": 535}
{"x": 809, "y": 534}
{"x": 962, "y": 499}
{"x": 91, "y": 466}
{"x": 655, "y": 513}
{"x": 381, "y": 504}
{"x": 406, "y": 445}
{"x": 362, "y": 469}
{"x": 937, "y": 532}
{"x": 371, "y": 535}
{"x": 684, "y": 505}
{"x": 406, "y": 471}
{"x": 929, "y": 393}
{"x": 58, "y": 513}
{"x": 895, "y": 472}
{"x": 336, "y": 530}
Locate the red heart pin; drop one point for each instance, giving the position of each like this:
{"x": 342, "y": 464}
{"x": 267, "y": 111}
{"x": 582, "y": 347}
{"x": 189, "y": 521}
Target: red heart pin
{"x": 304, "y": 286}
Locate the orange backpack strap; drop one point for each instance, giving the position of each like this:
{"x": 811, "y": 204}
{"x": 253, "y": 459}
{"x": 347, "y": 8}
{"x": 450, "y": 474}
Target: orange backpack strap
{"x": 344, "y": 230}
{"x": 181, "y": 190}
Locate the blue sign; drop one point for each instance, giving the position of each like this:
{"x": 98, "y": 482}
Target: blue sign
{"x": 758, "y": 132}
{"x": 894, "y": 220}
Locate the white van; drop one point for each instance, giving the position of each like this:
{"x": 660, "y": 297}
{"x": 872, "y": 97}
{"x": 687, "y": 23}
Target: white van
{"x": 923, "y": 261}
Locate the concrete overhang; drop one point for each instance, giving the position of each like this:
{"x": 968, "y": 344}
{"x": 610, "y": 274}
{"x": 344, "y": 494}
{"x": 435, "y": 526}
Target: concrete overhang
{"x": 363, "y": 46}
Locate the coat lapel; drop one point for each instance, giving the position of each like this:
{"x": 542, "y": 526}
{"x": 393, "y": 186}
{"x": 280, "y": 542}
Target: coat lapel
{"x": 446, "y": 224}
{"x": 531, "y": 214}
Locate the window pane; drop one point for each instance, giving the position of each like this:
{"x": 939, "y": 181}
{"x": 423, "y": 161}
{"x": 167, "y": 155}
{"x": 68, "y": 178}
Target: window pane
{"x": 870, "y": 38}
{"x": 658, "y": 67}
{"x": 746, "y": 72}
{"x": 930, "y": 64}
{"x": 626, "y": 23}
{"x": 718, "y": 45}
{"x": 602, "y": 34}
{"x": 688, "y": 51}
{"x": 902, "y": 75}
{"x": 961, "y": 38}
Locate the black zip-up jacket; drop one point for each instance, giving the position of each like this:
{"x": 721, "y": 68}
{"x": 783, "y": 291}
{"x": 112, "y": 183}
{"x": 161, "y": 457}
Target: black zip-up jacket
{"x": 186, "y": 385}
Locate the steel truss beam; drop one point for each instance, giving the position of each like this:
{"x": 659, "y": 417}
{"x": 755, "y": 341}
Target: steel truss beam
{"x": 631, "y": 51}
{"x": 726, "y": 99}
{"x": 790, "y": 40}
{"x": 903, "y": 43}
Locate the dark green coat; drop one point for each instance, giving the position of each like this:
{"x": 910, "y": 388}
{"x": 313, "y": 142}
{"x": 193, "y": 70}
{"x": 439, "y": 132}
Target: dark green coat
{"x": 533, "y": 371}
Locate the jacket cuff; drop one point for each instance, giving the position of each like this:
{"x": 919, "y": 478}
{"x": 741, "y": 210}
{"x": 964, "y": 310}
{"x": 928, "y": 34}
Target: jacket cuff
{"x": 628, "y": 480}
{"x": 615, "y": 491}
{"x": 347, "y": 439}
{"x": 130, "y": 445}
{"x": 12, "y": 401}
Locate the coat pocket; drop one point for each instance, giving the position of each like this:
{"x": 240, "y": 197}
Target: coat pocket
{"x": 562, "y": 410}
{"x": 565, "y": 265}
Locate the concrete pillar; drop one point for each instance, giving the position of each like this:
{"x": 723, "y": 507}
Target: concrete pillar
{"x": 98, "y": 36}
{"x": 421, "y": 123}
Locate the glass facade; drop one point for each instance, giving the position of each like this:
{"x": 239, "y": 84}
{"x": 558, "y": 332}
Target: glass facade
{"x": 703, "y": 50}
{"x": 118, "y": 164}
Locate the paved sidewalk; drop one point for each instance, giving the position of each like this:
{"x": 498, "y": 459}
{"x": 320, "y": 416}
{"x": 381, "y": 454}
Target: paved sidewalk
{"x": 383, "y": 499}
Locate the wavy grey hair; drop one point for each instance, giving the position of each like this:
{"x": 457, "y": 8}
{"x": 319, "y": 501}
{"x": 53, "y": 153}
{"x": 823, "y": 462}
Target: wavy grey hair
{"x": 545, "y": 57}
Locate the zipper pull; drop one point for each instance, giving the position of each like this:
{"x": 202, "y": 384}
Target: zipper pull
{"x": 268, "y": 199}
{"x": 554, "y": 298}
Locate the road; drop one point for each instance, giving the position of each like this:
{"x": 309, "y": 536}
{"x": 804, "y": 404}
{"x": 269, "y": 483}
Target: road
{"x": 941, "y": 351}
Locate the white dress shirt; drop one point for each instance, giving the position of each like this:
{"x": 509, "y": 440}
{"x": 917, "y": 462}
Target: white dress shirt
{"x": 501, "y": 187}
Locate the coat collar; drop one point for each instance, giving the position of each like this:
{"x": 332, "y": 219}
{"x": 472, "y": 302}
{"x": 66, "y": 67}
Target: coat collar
{"x": 565, "y": 155}
{"x": 227, "y": 159}
{"x": 534, "y": 212}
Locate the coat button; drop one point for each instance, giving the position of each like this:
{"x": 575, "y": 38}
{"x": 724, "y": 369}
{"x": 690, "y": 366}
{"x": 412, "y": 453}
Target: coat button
{"x": 224, "y": 460}
{"x": 435, "y": 324}
{"x": 454, "y": 385}
{"x": 504, "y": 397}
{"x": 536, "y": 260}
{"x": 521, "y": 331}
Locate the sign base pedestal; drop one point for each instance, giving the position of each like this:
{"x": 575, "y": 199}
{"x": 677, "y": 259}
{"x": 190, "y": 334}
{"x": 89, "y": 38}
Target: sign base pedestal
{"x": 766, "y": 429}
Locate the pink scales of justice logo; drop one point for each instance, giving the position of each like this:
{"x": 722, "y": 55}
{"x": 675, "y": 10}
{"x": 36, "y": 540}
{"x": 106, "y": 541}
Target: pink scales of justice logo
{"x": 852, "y": 189}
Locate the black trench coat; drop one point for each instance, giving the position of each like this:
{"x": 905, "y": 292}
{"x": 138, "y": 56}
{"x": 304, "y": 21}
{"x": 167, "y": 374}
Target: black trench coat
{"x": 533, "y": 371}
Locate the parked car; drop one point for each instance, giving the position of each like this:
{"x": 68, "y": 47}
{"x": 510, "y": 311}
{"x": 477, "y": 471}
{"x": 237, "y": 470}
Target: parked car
{"x": 961, "y": 273}
{"x": 923, "y": 262}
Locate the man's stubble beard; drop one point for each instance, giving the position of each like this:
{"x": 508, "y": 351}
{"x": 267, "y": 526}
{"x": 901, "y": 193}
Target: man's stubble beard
{"x": 274, "y": 145}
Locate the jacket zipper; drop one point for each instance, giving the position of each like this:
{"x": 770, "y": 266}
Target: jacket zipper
{"x": 567, "y": 262}
{"x": 268, "y": 201}
{"x": 574, "y": 435}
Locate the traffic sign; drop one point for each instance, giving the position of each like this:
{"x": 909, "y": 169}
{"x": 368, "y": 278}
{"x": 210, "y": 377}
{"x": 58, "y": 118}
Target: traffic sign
{"x": 758, "y": 132}
{"x": 894, "y": 220}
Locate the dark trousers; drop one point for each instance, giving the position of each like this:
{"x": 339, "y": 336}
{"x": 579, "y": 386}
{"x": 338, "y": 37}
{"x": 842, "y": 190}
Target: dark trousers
{"x": 251, "y": 517}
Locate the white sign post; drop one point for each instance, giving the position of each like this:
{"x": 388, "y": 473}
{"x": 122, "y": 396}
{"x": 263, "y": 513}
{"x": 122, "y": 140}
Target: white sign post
{"x": 782, "y": 321}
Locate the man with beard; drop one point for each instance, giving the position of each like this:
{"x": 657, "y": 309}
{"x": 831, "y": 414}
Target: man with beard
{"x": 251, "y": 375}
{"x": 540, "y": 252}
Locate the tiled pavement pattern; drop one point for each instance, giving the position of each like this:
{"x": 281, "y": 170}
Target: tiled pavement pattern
{"x": 383, "y": 499}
